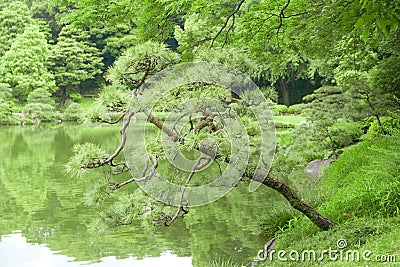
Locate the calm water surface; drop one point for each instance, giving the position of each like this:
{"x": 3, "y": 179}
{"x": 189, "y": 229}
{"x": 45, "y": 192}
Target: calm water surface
{"x": 44, "y": 222}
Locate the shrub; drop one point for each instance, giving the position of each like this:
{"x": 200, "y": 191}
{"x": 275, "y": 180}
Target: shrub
{"x": 73, "y": 112}
{"x": 279, "y": 109}
{"x": 390, "y": 125}
{"x": 76, "y": 97}
{"x": 296, "y": 109}
{"x": 41, "y": 96}
{"x": 44, "y": 112}
{"x": 6, "y": 119}
{"x": 344, "y": 134}
{"x": 6, "y": 107}
{"x": 284, "y": 110}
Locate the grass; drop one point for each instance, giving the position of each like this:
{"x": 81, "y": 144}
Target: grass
{"x": 288, "y": 121}
{"x": 360, "y": 191}
{"x": 379, "y": 236}
{"x": 86, "y": 103}
{"x": 223, "y": 263}
{"x": 365, "y": 181}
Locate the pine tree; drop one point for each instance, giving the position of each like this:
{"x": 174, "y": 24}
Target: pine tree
{"x": 73, "y": 60}
{"x": 23, "y": 67}
{"x": 14, "y": 17}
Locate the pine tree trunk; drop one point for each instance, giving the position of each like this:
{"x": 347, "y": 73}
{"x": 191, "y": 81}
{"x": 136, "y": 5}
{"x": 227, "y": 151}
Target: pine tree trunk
{"x": 63, "y": 96}
{"x": 378, "y": 120}
{"x": 294, "y": 200}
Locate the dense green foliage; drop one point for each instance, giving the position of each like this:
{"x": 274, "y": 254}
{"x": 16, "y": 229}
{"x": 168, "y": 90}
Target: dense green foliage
{"x": 291, "y": 46}
{"x": 73, "y": 60}
{"x": 23, "y": 67}
{"x": 342, "y": 58}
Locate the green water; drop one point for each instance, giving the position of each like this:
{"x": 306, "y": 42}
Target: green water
{"x": 44, "y": 222}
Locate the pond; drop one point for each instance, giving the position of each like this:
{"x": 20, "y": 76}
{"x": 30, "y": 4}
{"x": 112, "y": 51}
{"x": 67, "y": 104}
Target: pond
{"x": 44, "y": 221}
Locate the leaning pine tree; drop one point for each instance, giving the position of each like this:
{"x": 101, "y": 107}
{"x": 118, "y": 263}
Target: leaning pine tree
{"x": 206, "y": 137}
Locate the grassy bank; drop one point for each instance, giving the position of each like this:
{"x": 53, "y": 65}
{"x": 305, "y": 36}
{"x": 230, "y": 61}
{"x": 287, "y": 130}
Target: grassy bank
{"x": 361, "y": 192}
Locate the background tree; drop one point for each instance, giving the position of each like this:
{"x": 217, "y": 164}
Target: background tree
{"x": 5, "y": 92}
{"x": 23, "y": 67}
{"x": 73, "y": 60}
{"x": 14, "y": 16}
{"x": 5, "y": 97}
{"x": 112, "y": 41}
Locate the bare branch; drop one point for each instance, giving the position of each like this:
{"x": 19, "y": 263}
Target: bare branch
{"x": 227, "y": 32}
{"x": 113, "y": 122}
{"x": 281, "y": 17}
{"x": 176, "y": 122}
{"x": 161, "y": 126}
{"x": 178, "y": 211}
{"x": 239, "y": 5}
{"x": 198, "y": 166}
{"x": 96, "y": 163}
{"x": 146, "y": 167}
{"x": 124, "y": 169}
{"x": 143, "y": 178}
{"x": 123, "y": 139}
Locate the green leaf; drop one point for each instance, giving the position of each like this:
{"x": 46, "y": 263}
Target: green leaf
{"x": 365, "y": 34}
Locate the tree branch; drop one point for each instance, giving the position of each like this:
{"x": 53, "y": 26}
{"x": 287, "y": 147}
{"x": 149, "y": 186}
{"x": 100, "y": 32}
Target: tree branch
{"x": 281, "y": 17}
{"x": 123, "y": 139}
{"x": 113, "y": 122}
{"x": 198, "y": 166}
{"x": 227, "y": 32}
{"x": 239, "y": 5}
{"x": 295, "y": 201}
{"x": 161, "y": 126}
{"x": 143, "y": 178}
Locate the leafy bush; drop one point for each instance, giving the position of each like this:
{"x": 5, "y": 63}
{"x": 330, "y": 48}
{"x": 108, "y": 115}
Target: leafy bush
{"x": 296, "y": 109}
{"x": 279, "y": 109}
{"x": 76, "y": 97}
{"x": 6, "y": 119}
{"x": 73, "y": 112}
{"x": 284, "y": 110}
{"x": 344, "y": 134}
{"x": 6, "y": 107}
{"x": 44, "y": 112}
{"x": 306, "y": 142}
{"x": 5, "y": 91}
{"x": 41, "y": 96}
